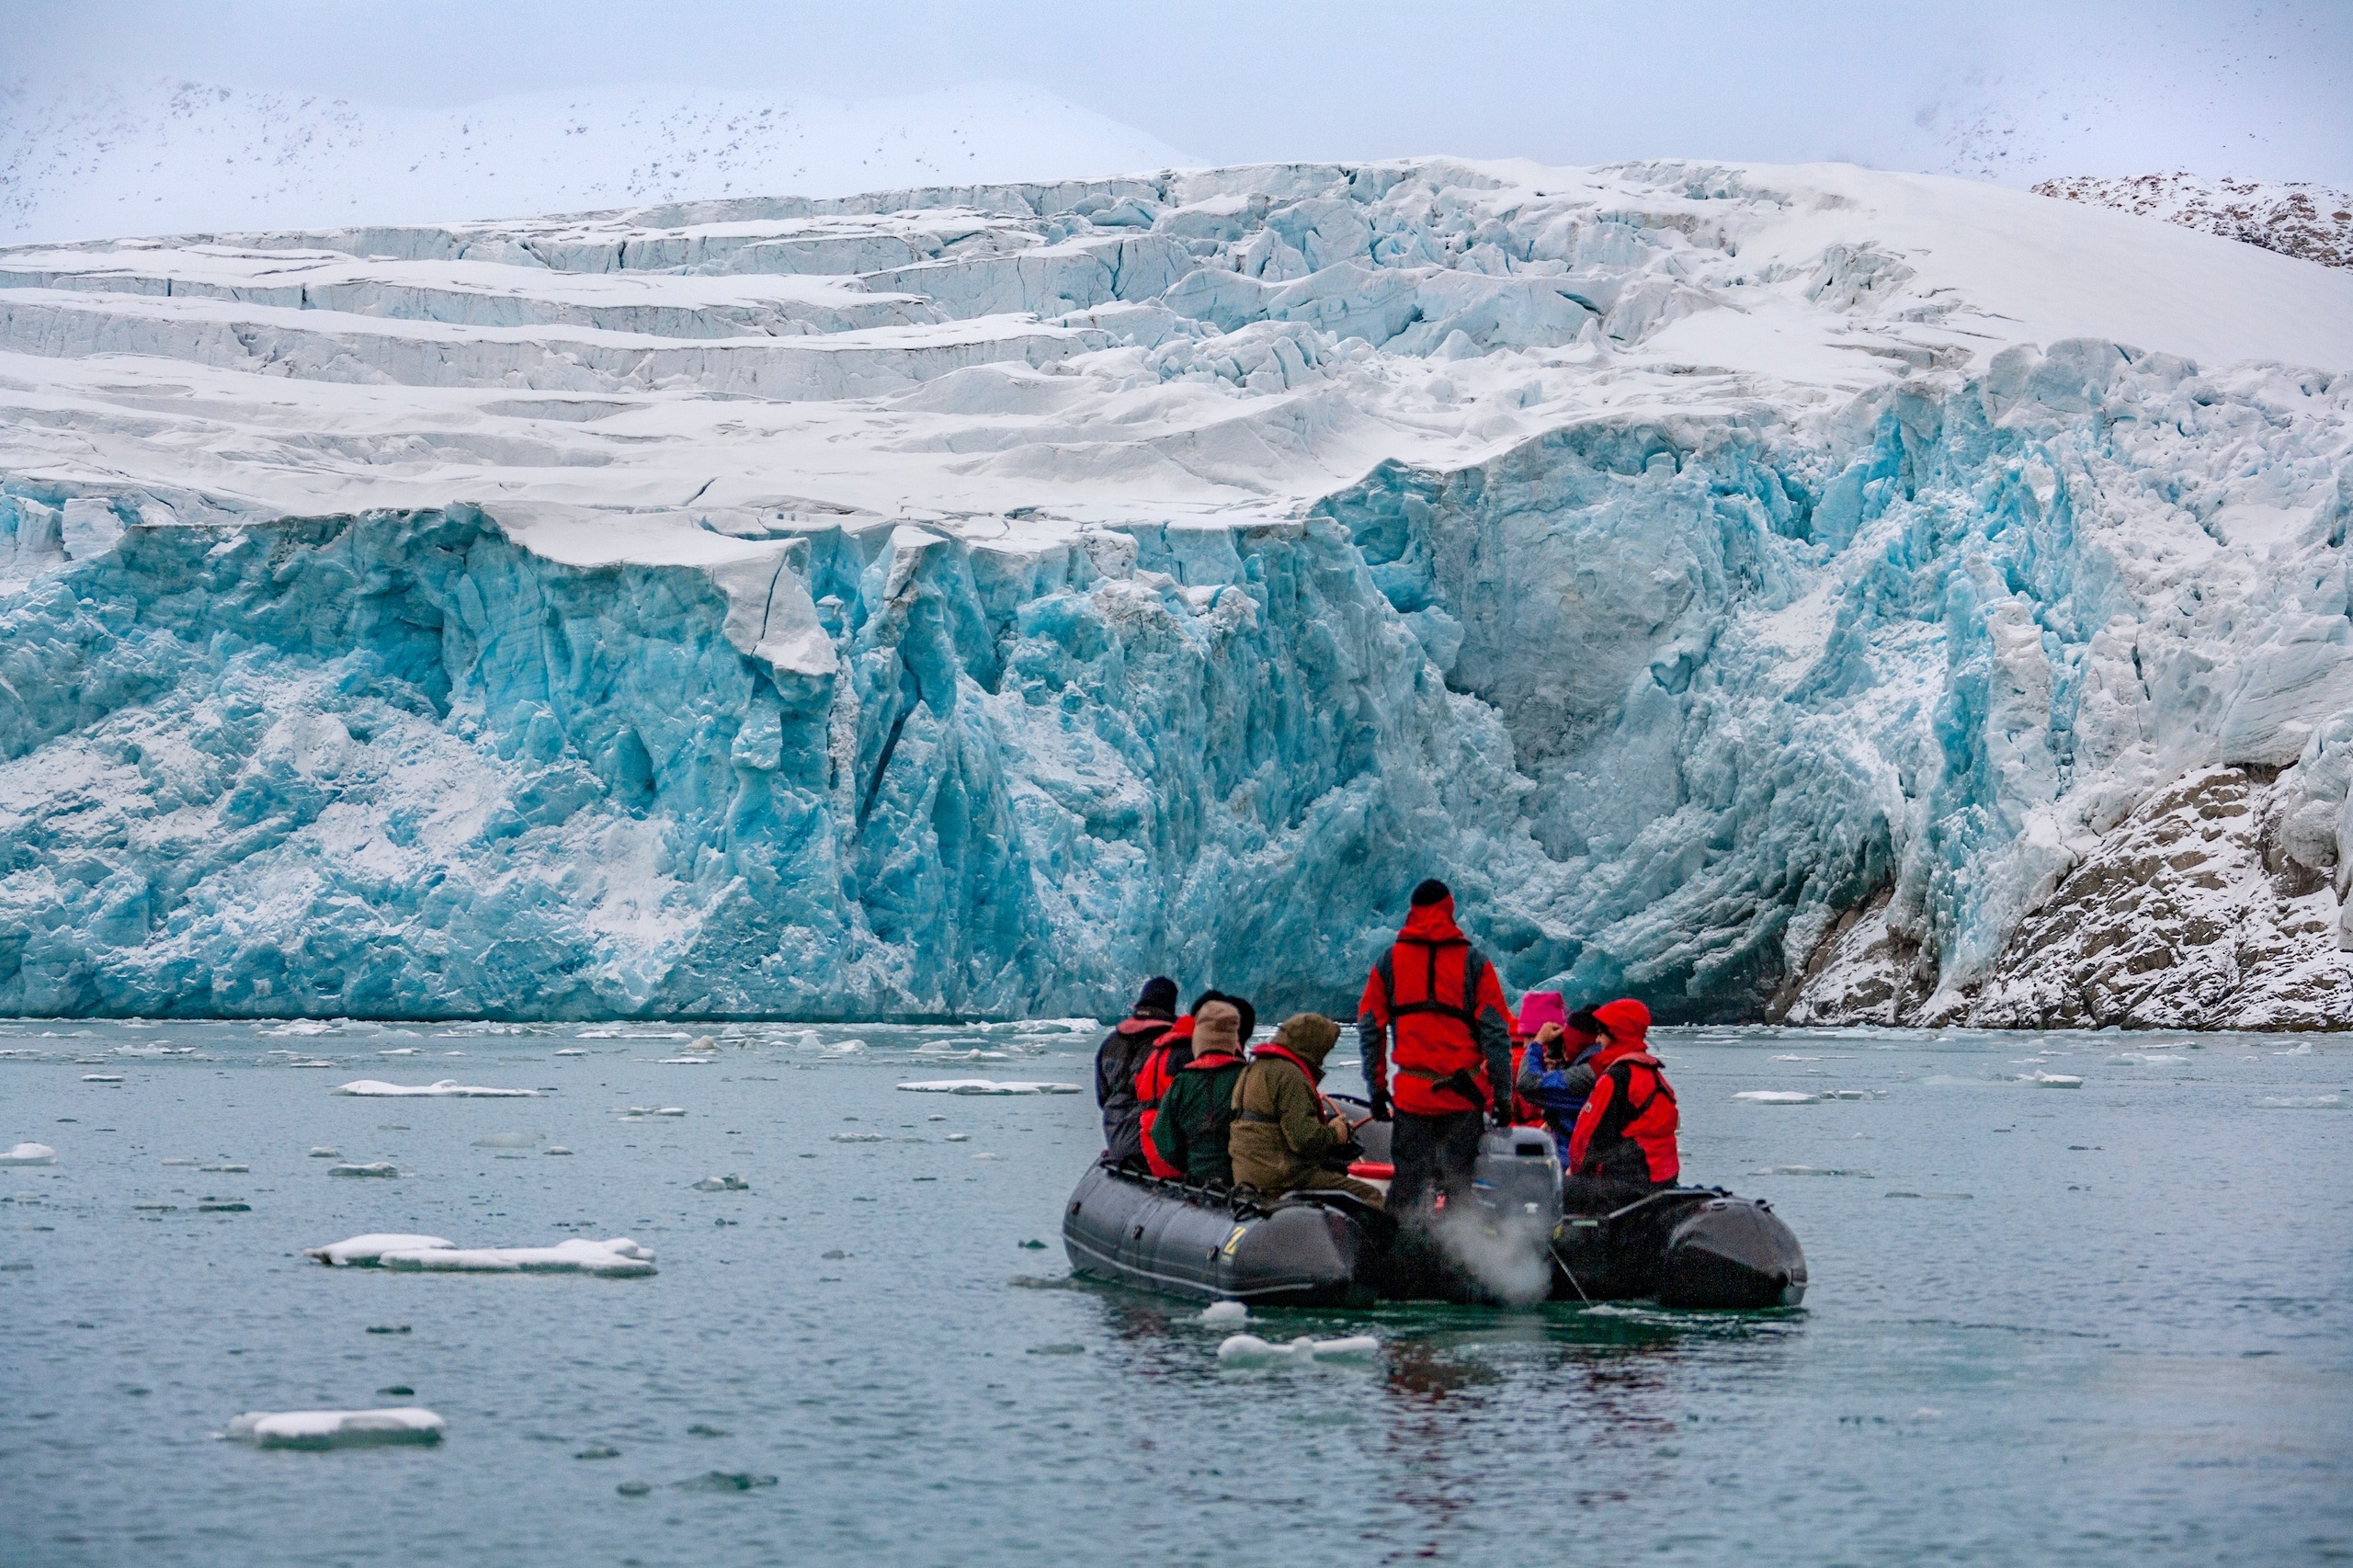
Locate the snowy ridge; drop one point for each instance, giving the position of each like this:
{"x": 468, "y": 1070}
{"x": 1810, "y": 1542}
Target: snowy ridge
{"x": 104, "y": 158}
{"x": 2312, "y": 221}
{"x": 964, "y": 600}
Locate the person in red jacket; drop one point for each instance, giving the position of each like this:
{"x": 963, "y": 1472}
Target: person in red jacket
{"x": 1623, "y": 1144}
{"x": 1170, "y": 1056}
{"x": 1434, "y": 1009}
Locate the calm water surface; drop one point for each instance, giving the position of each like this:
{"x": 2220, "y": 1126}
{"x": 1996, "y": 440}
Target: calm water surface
{"x": 2107, "y": 1325}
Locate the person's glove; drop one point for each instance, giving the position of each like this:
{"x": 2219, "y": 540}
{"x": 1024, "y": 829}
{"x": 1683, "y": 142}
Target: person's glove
{"x": 1381, "y": 1111}
{"x": 1503, "y": 1117}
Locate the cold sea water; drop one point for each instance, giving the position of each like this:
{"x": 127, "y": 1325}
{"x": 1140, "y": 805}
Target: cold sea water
{"x": 2105, "y": 1323}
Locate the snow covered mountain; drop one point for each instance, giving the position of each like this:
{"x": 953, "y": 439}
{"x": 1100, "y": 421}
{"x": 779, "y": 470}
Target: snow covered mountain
{"x": 99, "y": 158}
{"x": 2290, "y": 217}
{"x": 1797, "y": 592}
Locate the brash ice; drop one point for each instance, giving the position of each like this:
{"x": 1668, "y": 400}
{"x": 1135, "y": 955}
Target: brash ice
{"x": 1761, "y": 590}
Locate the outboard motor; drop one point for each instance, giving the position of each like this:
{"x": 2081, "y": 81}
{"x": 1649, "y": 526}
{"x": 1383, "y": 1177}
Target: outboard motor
{"x": 1519, "y": 1173}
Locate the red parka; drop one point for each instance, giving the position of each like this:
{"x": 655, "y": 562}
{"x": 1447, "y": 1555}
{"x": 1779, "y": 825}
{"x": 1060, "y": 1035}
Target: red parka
{"x": 1626, "y": 1131}
{"x": 1170, "y": 1056}
{"x": 1439, "y": 998}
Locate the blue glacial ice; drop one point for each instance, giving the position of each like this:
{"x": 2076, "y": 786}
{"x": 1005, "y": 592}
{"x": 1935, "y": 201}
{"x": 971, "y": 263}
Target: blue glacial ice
{"x": 618, "y": 616}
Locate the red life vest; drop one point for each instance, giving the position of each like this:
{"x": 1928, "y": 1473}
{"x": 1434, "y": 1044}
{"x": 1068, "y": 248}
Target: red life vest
{"x": 1159, "y": 1070}
{"x": 1427, "y": 990}
{"x": 1626, "y": 1130}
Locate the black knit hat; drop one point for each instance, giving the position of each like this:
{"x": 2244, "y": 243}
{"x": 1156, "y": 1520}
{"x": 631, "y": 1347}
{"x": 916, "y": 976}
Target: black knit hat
{"x": 1159, "y": 996}
{"x": 1431, "y": 891}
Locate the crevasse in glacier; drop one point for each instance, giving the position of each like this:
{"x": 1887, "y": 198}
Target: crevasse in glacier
{"x": 1777, "y": 593}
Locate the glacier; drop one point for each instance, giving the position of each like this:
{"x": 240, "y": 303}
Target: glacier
{"x": 1789, "y": 592}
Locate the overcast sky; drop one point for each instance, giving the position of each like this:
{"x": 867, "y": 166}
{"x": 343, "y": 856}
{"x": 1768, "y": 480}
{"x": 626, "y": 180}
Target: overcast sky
{"x": 1997, "y": 90}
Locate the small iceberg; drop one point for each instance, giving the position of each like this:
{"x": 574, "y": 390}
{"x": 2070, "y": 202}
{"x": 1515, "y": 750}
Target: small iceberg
{"x": 2057, "y": 1081}
{"x": 29, "y": 1154}
{"x": 102, "y": 1077}
{"x": 336, "y": 1428}
{"x": 1774, "y": 1097}
{"x": 571, "y": 1051}
{"x": 722, "y": 1184}
{"x": 373, "y": 1168}
{"x": 362, "y": 1252}
{"x": 984, "y": 1087}
{"x": 1249, "y": 1350}
{"x": 448, "y": 1088}
{"x": 618, "y": 1259}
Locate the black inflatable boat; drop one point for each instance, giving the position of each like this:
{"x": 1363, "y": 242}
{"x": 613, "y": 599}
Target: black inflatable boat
{"x": 1683, "y": 1247}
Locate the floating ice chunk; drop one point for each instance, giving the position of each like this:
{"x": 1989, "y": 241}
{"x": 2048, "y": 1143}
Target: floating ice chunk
{"x": 508, "y": 1140}
{"x": 399, "y": 1051}
{"x": 654, "y": 1110}
{"x": 337, "y": 1428}
{"x": 1774, "y": 1097}
{"x": 226, "y": 1170}
{"x": 102, "y": 1077}
{"x": 2304, "y": 1049}
{"x": 33, "y": 1154}
{"x": 179, "y": 1162}
{"x": 597, "y": 1034}
{"x": 2058, "y": 1081}
{"x": 618, "y": 1259}
{"x": 322, "y": 1061}
{"x": 318, "y": 1151}
{"x": 1845, "y": 1094}
{"x": 723, "y": 1184}
{"x": 1225, "y": 1312}
{"x": 683, "y": 1061}
{"x": 861, "y": 1138}
{"x": 373, "y": 1168}
{"x": 1797, "y": 1058}
{"x": 703, "y": 1043}
{"x": 448, "y": 1088}
{"x": 571, "y": 1051}
{"x": 299, "y": 1027}
{"x": 960, "y": 1138}
{"x": 1809, "y": 1170}
{"x": 1249, "y": 1350}
{"x": 2269, "y": 1102}
{"x": 985, "y": 1086}
{"x": 364, "y": 1252}
{"x": 555, "y": 1149}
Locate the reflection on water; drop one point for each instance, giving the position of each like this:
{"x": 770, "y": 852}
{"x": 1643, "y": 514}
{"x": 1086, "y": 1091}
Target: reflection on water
{"x": 2057, "y": 1359}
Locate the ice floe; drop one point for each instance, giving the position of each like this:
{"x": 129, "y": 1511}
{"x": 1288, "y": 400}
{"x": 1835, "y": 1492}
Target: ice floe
{"x": 1776, "y": 1097}
{"x": 102, "y": 1077}
{"x": 448, "y": 1088}
{"x": 2302, "y": 1102}
{"x": 619, "y": 1258}
{"x": 362, "y": 1252}
{"x": 2057, "y": 1081}
{"x": 32, "y": 1154}
{"x": 373, "y": 1168}
{"x": 555, "y": 1149}
{"x": 985, "y": 1086}
{"x": 337, "y": 1428}
{"x": 1249, "y": 1350}
{"x": 320, "y": 1151}
{"x": 571, "y": 1051}
{"x": 722, "y": 1184}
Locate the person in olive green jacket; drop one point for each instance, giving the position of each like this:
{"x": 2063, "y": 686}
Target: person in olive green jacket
{"x": 1191, "y": 1130}
{"x": 1283, "y": 1130}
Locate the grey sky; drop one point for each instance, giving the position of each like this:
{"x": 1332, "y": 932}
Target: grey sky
{"x": 2004, "y": 91}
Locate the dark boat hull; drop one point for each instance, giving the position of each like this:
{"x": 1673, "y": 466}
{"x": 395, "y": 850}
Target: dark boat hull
{"x": 1687, "y": 1248}
{"x": 1310, "y": 1250}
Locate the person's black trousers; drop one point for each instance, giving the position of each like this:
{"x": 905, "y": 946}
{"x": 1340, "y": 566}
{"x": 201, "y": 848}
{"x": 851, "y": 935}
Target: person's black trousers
{"x": 1429, "y": 1152}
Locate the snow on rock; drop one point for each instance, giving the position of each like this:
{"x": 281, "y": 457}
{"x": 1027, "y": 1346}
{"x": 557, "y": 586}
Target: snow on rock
{"x": 368, "y": 1250}
{"x": 985, "y": 1086}
{"x": 1757, "y": 589}
{"x": 29, "y": 1154}
{"x": 2313, "y": 222}
{"x": 337, "y": 1428}
{"x": 446, "y": 1088}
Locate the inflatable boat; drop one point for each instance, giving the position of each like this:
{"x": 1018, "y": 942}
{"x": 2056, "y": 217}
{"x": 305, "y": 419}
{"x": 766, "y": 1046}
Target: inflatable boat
{"x": 1700, "y": 1247}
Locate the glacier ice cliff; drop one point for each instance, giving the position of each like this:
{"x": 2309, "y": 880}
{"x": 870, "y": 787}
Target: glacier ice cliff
{"x": 1783, "y": 593}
